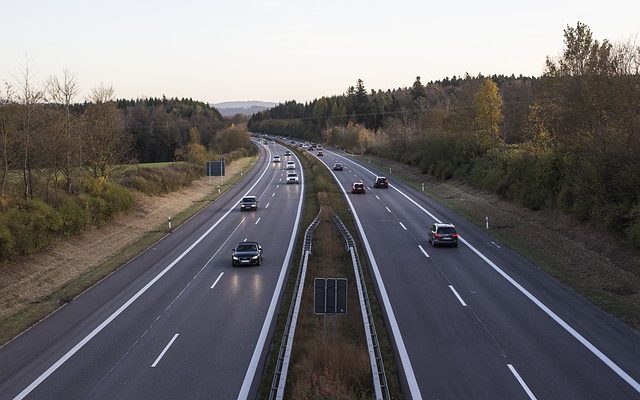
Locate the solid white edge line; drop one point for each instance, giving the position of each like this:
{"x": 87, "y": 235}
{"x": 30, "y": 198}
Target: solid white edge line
{"x": 216, "y": 282}
{"x": 522, "y": 382}
{"x": 164, "y": 351}
{"x": 606, "y": 360}
{"x": 414, "y": 389}
{"x": 25, "y": 392}
{"x": 402, "y": 225}
{"x": 423, "y": 251}
{"x": 593, "y": 349}
{"x": 457, "y": 295}
{"x": 255, "y": 359}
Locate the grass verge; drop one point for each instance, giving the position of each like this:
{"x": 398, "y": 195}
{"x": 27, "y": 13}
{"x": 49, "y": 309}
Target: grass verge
{"x": 308, "y": 374}
{"x": 12, "y": 325}
{"x": 591, "y": 261}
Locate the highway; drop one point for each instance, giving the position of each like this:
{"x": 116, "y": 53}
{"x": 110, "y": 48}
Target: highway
{"x": 178, "y": 321}
{"x": 480, "y": 321}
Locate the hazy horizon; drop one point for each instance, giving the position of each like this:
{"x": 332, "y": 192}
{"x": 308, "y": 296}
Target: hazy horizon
{"x": 221, "y": 52}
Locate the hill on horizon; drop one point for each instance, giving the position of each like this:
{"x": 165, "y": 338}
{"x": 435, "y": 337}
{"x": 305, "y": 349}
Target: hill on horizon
{"x": 248, "y": 108}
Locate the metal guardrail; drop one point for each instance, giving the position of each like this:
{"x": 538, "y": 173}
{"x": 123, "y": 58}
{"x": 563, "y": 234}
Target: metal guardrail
{"x": 286, "y": 345}
{"x": 380, "y": 386}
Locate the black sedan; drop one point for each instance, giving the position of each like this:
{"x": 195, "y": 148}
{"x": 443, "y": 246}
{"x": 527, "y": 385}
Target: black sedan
{"x": 247, "y": 253}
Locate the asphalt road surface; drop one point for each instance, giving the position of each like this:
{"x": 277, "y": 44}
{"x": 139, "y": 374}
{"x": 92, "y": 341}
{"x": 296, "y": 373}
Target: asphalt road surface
{"x": 178, "y": 321}
{"x": 479, "y": 321}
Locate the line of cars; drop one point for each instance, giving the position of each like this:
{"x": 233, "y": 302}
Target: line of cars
{"x": 251, "y": 253}
{"x": 439, "y": 233}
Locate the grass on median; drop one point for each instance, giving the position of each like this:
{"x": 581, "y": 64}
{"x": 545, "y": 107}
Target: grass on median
{"x": 12, "y": 325}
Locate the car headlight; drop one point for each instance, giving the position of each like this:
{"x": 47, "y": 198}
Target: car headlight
{"x": 234, "y": 258}
{"x": 254, "y": 257}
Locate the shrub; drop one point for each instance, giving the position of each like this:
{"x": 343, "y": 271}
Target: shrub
{"x": 32, "y": 224}
{"x": 74, "y": 217}
{"x": 7, "y": 242}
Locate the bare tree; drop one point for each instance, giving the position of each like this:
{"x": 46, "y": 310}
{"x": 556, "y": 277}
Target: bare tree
{"x": 29, "y": 95}
{"x": 107, "y": 144}
{"x": 5, "y": 128}
{"x": 63, "y": 91}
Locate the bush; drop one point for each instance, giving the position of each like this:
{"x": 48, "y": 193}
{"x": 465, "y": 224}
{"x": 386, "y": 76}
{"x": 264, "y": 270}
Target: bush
{"x": 74, "y": 217}
{"x": 7, "y": 242}
{"x": 155, "y": 181}
{"x": 32, "y": 224}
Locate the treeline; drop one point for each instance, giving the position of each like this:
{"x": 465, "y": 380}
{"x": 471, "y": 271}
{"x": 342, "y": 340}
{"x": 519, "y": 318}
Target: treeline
{"x": 160, "y": 126}
{"x": 568, "y": 139}
{"x": 66, "y": 165}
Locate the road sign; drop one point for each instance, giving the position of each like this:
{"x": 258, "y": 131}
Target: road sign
{"x": 215, "y": 168}
{"x": 330, "y": 295}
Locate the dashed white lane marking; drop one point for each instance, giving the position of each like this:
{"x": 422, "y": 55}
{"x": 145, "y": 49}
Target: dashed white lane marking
{"x": 522, "y": 383}
{"x": 267, "y": 206}
{"x": 388, "y": 209}
{"x": 273, "y": 194}
{"x": 402, "y": 225}
{"x": 277, "y": 186}
{"x": 258, "y": 221}
{"x": 245, "y": 239}
{"x": 216, "y": 282}
{"x": 423, "y": 251}
{"x": 377, "y": 197}
{"x": 457, "y": 295}
{"x": 164, "y": 351}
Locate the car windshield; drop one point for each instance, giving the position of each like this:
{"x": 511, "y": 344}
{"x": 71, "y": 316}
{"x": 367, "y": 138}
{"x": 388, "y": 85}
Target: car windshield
{"x": 382, "y": 180}
{"x": 248, "y": 200}
{"x": 446, "y": 230}
{"x": 246, "y": 247}
{"x": 358, "y": 185}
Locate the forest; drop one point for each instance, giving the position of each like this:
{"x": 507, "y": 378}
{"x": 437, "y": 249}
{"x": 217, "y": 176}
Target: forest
{"x": 569, "y": 139}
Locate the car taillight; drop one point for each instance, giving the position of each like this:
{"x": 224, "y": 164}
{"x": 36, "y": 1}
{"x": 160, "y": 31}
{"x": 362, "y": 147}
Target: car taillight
{"x": 455, "y": 235}
{"x": 436, "y": 235}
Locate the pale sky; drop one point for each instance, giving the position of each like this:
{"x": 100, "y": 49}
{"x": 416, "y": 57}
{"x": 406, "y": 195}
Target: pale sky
{"x": 290, "y": 49}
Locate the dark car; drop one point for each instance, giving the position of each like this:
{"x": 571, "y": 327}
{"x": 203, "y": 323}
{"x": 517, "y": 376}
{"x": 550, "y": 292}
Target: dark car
{"x": 287, "y": 153}
{"x": 249, "y": 203}
{"x": 357, "y": 188}
{"x": 381, "y": 182}
{"x": 443, "y": 234}
{"x": 337, "y": 167}
{"x": 247, "y": 253}
{"x": 320, "y": 153}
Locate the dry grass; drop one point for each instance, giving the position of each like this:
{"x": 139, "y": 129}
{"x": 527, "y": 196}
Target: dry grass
{"x": 32, "y": 287}
{"x": 329, "y": 359}
{"x": 595, "y": 262}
